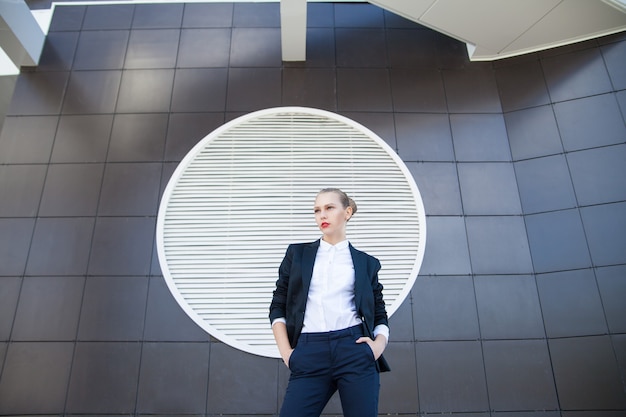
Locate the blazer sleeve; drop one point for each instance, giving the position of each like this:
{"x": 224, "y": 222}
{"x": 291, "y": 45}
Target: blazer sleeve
{"x": 278, "y": 306}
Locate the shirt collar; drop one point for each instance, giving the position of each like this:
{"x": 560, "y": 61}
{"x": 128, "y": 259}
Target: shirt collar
{"x": 339, "y": 246}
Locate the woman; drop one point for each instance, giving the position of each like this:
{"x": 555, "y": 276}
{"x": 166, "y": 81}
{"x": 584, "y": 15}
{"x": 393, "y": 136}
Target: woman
{"x": 328, "y": 318}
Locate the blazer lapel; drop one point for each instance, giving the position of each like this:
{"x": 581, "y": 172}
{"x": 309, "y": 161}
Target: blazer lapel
{"x": 308, "y": 260}
{"x": 360, "y": 276}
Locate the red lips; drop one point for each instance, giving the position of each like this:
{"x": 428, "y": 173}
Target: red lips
{"x": 324, "y": 225}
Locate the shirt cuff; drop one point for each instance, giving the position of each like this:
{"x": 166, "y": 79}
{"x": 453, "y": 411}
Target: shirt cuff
{"x": 279, "y": 320}
{"x": 381, "y": 329}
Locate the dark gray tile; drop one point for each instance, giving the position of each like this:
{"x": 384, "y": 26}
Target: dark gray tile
{"x": 58, "y": 51}
{"x": 527, "y": 414}
{"x": 393, "y": 20}
{"x": 480, "y": 137}
{"x": 320, "y": 48}
{"x": 145, "y": 91}
{"x": 200, "y": 90}
{"x": 590, "y": 122}
{"x": 612, "y": 285}
{"x": 60, "y": 246}
{"x": 27, "y": 140}
{"x": 451, "y": 377}
{"x": 586, "y": 374}
{"x": 398, "y": 389}
{"x": 545, "y": 184}
{"x": 71, "y": 190}
{"x": 360, "y": 48}
{"x": 571, "y": 304}
{"x": 113, "y": 309}
{"x": 522, "y": 86}
{"x": 174, "y": 378}
{"x": 320, "y": 15}
{"x": 15, "y": 238}
{"x": 158, "y": 16}
{"x": 48, "y": 309}
{"x": 309, "y": 87}
{"x": 472, "y": 91}
{"x": 363, "y": 90}
{"x": 253, "y": 89}
{"x": 255, "y": 47}
{"x": 185, "y": 130}
{"x": 508, "y": 307}
{"x": 380, "y": 123}
{"x": 204, "y": 48}
{"x": 599, "y": 175}
{"x": 411, "y": 48}
{"x": 20, "y": 187}
{"x": 451, "y": 53}
{"x": 533, "y": 132}
{"x": 424, "y": 137}
{"x": 208, "y": 15}
{"x": 34, "y": 378}
{"x": 361, "y": 15}
{"x": 122, "y": 246}
{"x": 137, "y": 138}
{"x": 576, "y": 74}
{"x": 107, "y": 385}
{"x": 447, "y": 252}
{"x": 256, "y": 15}
{"x": 438, "y": 184}
{"x": 619, "y": 345}
{"x": 130, "y": 189}
{"x": 557, "y": 241}
{"x": 67, "y": 17}
{"x": 498, "y": 245}
{"x": 604, "y": 228}
{"x": 101, "y": 50}
{"x": 614, "y": 56}
{"x": 152, "y": 48}
{"x": 38, "y": 93}
{"x": 9, "y": 294}
{"x": 82, "y": 139}
{"x": 594, "y": 413}
{"x": 417, "y": 90}
{"x": 401, "y": 321}
{"x": 489, "y": 189}
{"x": 621, "y": 100}
{"x": 519, "y": 375}
{"x": 244, "y": 391}
{"x": 90, "y": 92}
{"x": 108, "y": 17}
{"x": 166, "y": 320}
{"x": 445, "y": 309}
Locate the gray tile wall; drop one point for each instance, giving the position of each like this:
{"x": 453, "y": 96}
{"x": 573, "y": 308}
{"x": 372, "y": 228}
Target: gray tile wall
{"x": 519, "y": 307}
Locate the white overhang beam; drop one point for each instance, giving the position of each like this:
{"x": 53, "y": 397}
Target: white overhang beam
{"x": 293, "y": 29}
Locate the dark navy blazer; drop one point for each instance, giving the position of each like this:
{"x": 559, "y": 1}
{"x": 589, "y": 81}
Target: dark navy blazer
{"x": 294, "y": 279}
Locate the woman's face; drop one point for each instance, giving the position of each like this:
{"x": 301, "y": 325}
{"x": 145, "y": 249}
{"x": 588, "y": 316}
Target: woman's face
{"x": 331, "y": 217}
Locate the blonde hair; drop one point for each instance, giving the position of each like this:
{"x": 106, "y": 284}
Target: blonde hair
{"x": 343, "y": 197}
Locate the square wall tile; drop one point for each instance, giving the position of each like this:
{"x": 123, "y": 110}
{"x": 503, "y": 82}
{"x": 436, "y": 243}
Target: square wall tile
{"x": 557, "y": 241}
{"x": 412, "y": 47}
{"x": 614, "y": 56}
{"x": 604, "y": 228}
{"x": 363, "y": 90}
{"x": 20, "y": 188}
{"x": 445, "y": 309}
{"x": 311, "y": 87}
{"x": 533, "y": 133}
{"x": 381, "y": 123}
{"x": 34, "y": 378}
{"x": 599, "y": 175}
{"x": 424, "y": 137}
{"x": 522, "y": 86}
{"x": 66, "y": 18}
{"x": 82, "y": 138}
{"x": 255, "y": 47}
{"x": 48, "y": 309}
{"x": 586, "y": 374}
{"x": 113, "y": 309}
{"x": 38, "y": 93}
{"x": 202, "y": 48}
{"x": 200, "y": 90}
{"x": 27, "y": 140}
{"x": 480, "y": 137}
{"x": 9, "y": 294}
{"x": 208, "y": 15}
{"x": 71, "y": 190}
{"x": 571, "y": 304}
{"x": 253, "y": 89}
{"x": 320, "y": 48}
{"x": 101, "y": 50}
{"x": 256, "y": 15}
{"x": 245, "y": 391}
{"x": 498, "y": 245}
{"x": 451, "y": 377}
{"x": 438, "y": 184}
{"x": 320, "y": 15}
{"x": 152, "y": 48}
{"x": 107, "y": 385}
{"x": 612, "y": 285}
{"x": 398, "y": 389}
{"x": 590, "y": 122}
{"x": 108, "y": 17}
{"x": 447, "y": 251}
{"x": 145, "y": 91}
{"x": 489, "y": 189}
{"x": 417, "y": 90}
{"x": 545, "y": 184}
{"x": 360, "y": 48}
{"x": 58, "y": 51}
{"x": 519, "y": 375}
{"x": 137, "y": 138}
{"x": 185, "y": 130}
{"x": 358, "y": 15}
{"x": 472, "y": 90}
{"x": 508, "y": 307}
{"x": 402, "y": 322}
{"x": 174, "y": 378}
{"x": 15, "y": 238}
{"x": 91, "y": 92}
{"x": 161, "y": 16}
{"x": 60, "y": 246}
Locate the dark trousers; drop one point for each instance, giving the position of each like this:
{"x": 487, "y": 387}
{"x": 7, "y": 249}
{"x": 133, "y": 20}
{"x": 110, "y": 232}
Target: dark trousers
{"x": 323, "y": 363}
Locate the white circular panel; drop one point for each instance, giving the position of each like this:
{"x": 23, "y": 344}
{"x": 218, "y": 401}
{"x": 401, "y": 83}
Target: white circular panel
{"x": 246, "y": 191}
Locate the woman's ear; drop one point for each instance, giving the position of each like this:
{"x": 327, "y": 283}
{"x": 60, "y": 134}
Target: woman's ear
{"x": 348, "y": 213}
